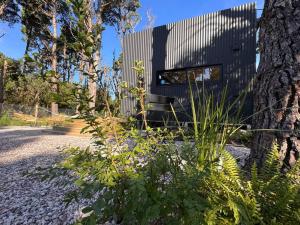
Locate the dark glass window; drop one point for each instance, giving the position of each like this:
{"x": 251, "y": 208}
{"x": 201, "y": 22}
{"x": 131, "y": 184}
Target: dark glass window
{"x": 197, "y": 74}
{"x": 172, "y": 77}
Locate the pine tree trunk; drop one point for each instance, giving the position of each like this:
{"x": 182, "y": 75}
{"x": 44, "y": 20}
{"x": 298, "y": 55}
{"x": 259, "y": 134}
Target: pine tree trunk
{"x": 277, "y": 85}
{"x": 54, "y": 80}
{"x": 36, "y": 113}
{"x": 65, "y": 63}
{"x": 92, "y": 88}
{"x": 2, "y": 77}
{"x": 81, "y": 77}
{"x": 94, "y": 64}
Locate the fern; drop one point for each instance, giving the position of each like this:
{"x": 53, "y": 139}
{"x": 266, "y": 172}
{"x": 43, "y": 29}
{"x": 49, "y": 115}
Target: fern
{"x": 271, "y": 167}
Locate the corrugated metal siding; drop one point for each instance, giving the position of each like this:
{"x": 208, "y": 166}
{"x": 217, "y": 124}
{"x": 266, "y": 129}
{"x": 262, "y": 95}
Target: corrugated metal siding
{"x": 205, "y": 40}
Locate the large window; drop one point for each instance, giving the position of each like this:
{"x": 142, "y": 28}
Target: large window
{"x": 197, "y": 74}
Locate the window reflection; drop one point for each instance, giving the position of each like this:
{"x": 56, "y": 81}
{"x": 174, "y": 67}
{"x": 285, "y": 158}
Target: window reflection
{"x": 197, "y": 74}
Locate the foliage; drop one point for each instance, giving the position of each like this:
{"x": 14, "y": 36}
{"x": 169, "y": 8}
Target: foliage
{"x": 66, "y": 96}
{"x": 242, "y": 137}
{"x": 13, "y": 67}
{"x": 6, "y": 120}
{"x": 138, "y": 92}
{"x": 147, "y": 177}
{"x": 29, "y": 90}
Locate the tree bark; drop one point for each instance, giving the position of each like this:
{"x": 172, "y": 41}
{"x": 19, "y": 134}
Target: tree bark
{"x": 95, "y": 62}
{"x": 65, "y": 63}
{"x": 277, "y": 86}
{"x": 2, "y": 77}
{"x": 54, "y": 79}
{"x": 36, "y": 113}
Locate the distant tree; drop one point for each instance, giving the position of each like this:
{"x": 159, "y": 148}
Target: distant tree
{"x": 150, "y": 19}
{"x": 10, "y": 69}
{"x": 9, "y": 11}
{"x": 123, "y": 16}
{"x": 89, "y": 21}
{"x": 2, "y": 77}
{"x": 29, "y": 90}
{"x": 41, "y": 21}
{"x": 277, "y": 85}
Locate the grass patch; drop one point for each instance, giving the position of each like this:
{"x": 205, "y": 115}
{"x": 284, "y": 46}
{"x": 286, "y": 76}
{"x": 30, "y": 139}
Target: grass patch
{"x": 6, "y": 120}
{"x": 18, "y": 119}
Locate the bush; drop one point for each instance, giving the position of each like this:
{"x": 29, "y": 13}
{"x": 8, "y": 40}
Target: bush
{"x": 155, "y": 180}
{"x": 150, "y": 178}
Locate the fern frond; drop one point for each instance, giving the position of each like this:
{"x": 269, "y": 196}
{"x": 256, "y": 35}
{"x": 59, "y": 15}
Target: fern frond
{"x": 254, "y": 178}
{"x": 294, "y": 174}
{"x": 271, "y": 167}
{"x": 230, "y": 166}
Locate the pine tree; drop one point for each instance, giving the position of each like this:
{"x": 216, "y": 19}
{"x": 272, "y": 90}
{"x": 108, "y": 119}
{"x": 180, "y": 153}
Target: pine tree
{"x": 277, "y": 87}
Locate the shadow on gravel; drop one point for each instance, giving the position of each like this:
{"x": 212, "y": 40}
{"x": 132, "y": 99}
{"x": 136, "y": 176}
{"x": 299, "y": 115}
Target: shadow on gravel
{"x": 13, "y": 139}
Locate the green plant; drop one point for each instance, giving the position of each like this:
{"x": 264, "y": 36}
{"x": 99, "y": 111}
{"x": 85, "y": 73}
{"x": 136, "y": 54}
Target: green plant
{"x": 149, "y": 178}
{"x": 6, "y": 120}
{"x": 138, "y": 91}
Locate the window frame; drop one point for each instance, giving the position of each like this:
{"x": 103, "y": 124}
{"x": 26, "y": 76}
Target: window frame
{"x": 186, "y": 69}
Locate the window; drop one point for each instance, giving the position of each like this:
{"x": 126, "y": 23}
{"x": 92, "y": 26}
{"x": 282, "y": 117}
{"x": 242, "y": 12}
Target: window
{"x": 172, "y": 77}
{"x": 197, "y": 74}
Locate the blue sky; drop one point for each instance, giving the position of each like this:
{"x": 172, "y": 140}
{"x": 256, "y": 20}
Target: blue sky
{"x": 165, "y": 11}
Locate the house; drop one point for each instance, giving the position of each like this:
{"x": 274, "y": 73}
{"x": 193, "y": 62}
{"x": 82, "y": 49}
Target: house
{"x": 213, "y": 50}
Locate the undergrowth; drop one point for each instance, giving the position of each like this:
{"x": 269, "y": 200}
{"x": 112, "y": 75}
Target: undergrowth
{"x": 149, "y": 178}
{"x": 6, "y": 120}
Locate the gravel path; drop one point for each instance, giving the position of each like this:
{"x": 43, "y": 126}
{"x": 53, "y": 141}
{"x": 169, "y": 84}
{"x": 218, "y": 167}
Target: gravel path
{"x": 27, "y": 199}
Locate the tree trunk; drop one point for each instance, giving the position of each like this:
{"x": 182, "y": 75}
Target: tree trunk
{"x": 36, "y": 113}
{"x": 277, "y": 85}
{"x": 95, "y": 62}
{"x": 81, "y": 77}
{"x": 2, "y": 77}
{"x": 65, "y": 63}
{"x": 54, "y": 79}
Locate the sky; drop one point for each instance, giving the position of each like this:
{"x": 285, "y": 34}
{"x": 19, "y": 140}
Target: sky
{"x": 164, "y": 11}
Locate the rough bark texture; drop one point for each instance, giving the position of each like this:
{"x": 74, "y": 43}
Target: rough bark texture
{"x": 54, "y": 80}
{"x": 277, "y": 86}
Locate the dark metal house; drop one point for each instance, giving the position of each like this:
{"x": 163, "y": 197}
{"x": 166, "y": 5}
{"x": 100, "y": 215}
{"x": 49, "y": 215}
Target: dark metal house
{"x": 213, "y": 50}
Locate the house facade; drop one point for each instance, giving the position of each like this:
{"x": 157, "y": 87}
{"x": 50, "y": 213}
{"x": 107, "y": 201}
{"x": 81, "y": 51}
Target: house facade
{"x": 213, "y": 51}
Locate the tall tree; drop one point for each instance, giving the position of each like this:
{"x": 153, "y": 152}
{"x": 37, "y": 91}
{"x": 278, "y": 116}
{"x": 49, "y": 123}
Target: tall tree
{"x": 90, "y": 19}
{"x": 277, "y": 85}
{"x": 150, "y": 19}
{"x": 9, "y": 12}
{"x": 2, "y": 77}
{"x": 123, "y": 16}
{"x": 41, "y": 21}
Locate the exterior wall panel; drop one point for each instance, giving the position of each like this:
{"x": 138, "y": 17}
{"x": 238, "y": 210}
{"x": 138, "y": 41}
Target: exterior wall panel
{"x": 224, "y": 38}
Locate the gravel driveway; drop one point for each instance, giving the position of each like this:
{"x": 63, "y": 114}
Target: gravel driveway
{"x": 27, "y": 199}
{"x": 30, "y": 200}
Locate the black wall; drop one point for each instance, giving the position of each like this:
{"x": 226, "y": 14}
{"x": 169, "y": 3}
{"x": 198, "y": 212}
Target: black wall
{"x": 227, "y": 37}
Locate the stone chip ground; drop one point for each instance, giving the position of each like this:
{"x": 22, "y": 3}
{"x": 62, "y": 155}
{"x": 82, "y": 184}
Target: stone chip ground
{"x": 28, "y": 199}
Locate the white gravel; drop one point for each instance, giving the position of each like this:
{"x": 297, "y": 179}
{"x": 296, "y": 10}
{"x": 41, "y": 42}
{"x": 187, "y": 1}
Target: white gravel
{"x": 28, "y": 199}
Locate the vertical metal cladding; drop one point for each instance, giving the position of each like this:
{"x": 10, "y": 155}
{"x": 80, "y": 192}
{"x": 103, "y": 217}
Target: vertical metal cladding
{"x": 224, "y": 38}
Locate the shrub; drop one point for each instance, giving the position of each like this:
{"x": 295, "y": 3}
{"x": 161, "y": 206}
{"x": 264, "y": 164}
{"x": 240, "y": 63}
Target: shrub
{"x": 150, "y": 178}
